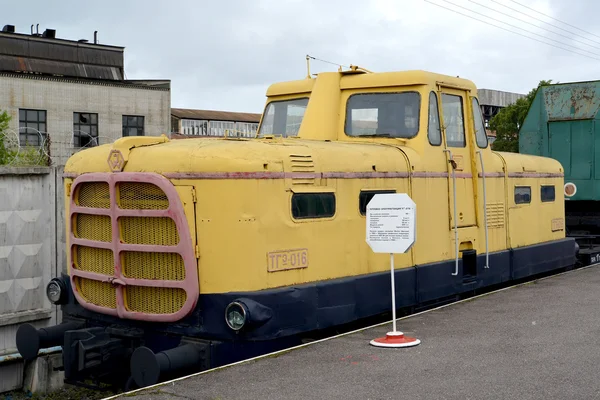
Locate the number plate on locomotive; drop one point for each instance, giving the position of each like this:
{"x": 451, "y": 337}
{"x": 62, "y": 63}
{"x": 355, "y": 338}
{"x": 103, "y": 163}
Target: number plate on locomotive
{"x": 558, "y": 224}
{"x": 284, "y": 260}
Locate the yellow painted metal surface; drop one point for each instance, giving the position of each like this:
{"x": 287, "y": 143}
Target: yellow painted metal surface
{"x": 237, "y": 192}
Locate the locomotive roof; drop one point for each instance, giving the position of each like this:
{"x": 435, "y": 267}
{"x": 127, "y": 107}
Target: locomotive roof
{"x": 360, "y": 79}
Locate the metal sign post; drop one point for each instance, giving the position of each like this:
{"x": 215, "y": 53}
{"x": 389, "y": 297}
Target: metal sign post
{"x": 392, "y": 229}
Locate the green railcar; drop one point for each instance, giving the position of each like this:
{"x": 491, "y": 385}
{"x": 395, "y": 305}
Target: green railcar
{"x": 563, "y": 123}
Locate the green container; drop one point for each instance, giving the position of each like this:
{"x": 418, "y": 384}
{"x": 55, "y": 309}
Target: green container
{"x": 563, "y": 123}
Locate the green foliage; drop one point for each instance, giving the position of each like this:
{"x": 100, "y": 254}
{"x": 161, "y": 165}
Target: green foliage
{"x": 26, "y": 156}
{"x": 509, "y": 120}
{"x": 4, "y": 120}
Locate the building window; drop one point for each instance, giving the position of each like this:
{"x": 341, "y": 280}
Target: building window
{"x": 133, "y": 125}
{"x": 522, "y": 194}
{"x": 548, "y": 193}
{"x": 365, "y": 197}
{"x": 452, "y": 108}
{"x": 32, "y": 127}
{"x": 313, "y": 205}
{"x": 383, "y": 115}
{"x": 85, "y": 129}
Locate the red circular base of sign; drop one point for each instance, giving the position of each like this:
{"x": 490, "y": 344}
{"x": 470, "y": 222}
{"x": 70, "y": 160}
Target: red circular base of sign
{"x": 395, "y": 339}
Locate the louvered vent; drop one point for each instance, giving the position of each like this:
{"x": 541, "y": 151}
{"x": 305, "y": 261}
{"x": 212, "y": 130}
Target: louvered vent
{"x": 495, "y": 215}
{"x": 303, "y": 169}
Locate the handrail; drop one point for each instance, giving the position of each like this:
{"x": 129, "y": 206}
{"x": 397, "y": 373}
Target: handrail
{"x": 487, "y": 251}
{"x": 452, "y": 163}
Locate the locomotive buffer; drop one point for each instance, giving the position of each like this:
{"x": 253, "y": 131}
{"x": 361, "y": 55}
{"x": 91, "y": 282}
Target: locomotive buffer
{"x": 392, "y": 229}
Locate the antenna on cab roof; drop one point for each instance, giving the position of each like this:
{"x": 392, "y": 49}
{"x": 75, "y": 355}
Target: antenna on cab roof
{"x": 352, "y": 68}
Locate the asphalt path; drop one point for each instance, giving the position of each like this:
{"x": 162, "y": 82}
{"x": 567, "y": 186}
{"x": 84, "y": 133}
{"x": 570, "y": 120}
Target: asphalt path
{"x": 540, "y": 340}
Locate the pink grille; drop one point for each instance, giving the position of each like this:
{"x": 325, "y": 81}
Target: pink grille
{"x": 184, "y": 248}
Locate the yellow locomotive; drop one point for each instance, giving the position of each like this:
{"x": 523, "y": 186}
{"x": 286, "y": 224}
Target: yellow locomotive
{"x": 188, "y": 254}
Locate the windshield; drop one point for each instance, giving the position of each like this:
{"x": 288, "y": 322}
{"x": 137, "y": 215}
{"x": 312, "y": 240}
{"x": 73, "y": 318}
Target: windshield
{"x": 383, "y": 114}
{"x": 283, "y": 117}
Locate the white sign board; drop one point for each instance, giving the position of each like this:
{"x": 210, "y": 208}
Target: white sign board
{"x": 391, "y": 223}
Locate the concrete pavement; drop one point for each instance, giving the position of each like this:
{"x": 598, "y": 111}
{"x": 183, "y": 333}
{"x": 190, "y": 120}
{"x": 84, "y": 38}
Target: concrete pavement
{"x": 540, "y": 340}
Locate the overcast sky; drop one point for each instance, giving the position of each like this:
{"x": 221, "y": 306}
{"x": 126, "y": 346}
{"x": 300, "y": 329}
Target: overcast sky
{"x": 223, "y": 54}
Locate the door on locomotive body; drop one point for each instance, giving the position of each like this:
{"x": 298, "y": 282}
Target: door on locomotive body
{"x": 456, "y": 128}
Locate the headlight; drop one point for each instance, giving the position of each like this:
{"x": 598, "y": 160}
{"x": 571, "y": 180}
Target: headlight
{"x": 56, "y": 291}
{"x": 236, "y": 315}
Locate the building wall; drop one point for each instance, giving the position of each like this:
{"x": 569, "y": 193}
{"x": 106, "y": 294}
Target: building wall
{"x": 497, "y": 98}
{"x": 62, "y": 97}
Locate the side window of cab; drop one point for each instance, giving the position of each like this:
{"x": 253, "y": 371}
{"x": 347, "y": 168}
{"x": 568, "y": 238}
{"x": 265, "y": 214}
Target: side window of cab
{"x": 452, "y": 107}
{"x": 480, "y": 135}
{"x": 434, "y": 133}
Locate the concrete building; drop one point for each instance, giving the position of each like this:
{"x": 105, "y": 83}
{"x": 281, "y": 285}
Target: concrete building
{"x": 68, "y": 94}
{"x": 213, "y": 123}
{"x": 491, "y": 102}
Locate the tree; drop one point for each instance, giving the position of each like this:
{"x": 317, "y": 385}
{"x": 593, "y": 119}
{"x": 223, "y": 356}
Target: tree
{"x": 509, "y": 120}
{"x": 4, "y": 120}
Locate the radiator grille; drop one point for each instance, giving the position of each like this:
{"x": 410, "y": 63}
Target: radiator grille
{"x": 91, "y": 259}
{"x": 93, "y": 227}
{"x": 145, "y": 235}
{"x": 142, "y": 196}
{"x": 154, "y": 300}
{"x": 161, "y": 266}
{"x": 102, "y": 294}
{"x": 495, "y": 215}
{"x": 142, "y": 230}
{"x": 94, "y": 194}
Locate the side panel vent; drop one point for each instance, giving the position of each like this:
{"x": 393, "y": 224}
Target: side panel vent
{"x": 302, "y": 168}
{"x": 495, "y": 215}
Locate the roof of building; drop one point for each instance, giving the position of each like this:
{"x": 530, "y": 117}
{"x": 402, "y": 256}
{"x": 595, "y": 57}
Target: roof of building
{"x": 44, "y": 53}
{"x": 162, "y": 85}
{"x": 499, "y": 98}
{"x": 213, "y": 115}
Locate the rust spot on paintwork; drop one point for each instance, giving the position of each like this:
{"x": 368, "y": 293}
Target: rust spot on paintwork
{"x": 571, "y": 102}
{"x": 22, "y": 64}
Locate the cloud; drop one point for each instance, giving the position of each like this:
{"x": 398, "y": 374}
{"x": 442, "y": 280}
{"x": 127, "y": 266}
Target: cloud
{"x": 223, "y": 55}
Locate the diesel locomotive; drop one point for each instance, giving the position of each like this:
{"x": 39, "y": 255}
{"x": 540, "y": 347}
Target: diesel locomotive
{"x": 188, "y": 254}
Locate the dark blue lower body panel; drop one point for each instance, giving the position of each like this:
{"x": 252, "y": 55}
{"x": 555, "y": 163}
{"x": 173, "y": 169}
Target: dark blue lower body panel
{"x": 436, "y": 281}
{"x": 541, "y": 258}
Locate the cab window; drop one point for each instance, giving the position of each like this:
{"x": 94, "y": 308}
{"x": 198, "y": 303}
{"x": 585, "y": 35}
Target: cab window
{"x": 313, "y": 205}
{"x": 522, "y": 194}
{"x": 383, "y": 114}
{"x": 283, "y": 117}
{"x": 434, "y": 133}
{"x": 480, "y": 135}
{"x": 366, "y": 196}
{"x": 547, "y": 193}
{"x": 452, "y": 107}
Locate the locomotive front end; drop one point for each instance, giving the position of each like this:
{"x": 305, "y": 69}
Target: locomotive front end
{"x": 132, "y": 271}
